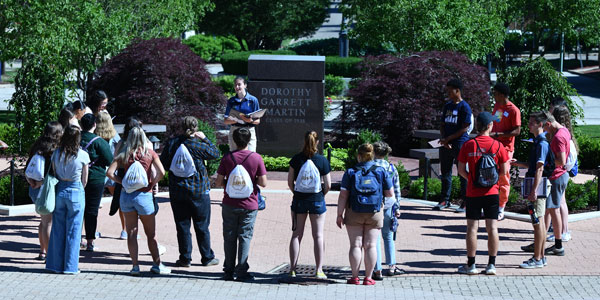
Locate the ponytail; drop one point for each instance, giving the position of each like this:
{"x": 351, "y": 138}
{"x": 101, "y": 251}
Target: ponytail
{"x": 365, "y": 152}
{"x": 310, "y": 144}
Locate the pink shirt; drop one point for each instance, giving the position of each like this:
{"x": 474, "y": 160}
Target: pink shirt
{"x": 255, "y": 167}
{"x": 561, "y": 142}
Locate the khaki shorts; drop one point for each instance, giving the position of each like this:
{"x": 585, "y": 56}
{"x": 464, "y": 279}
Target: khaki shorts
{"x": 540, "y": 207}
{"x": 373, "y": 220}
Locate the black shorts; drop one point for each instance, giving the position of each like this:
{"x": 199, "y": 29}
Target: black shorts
{"x": 489, "y": 204}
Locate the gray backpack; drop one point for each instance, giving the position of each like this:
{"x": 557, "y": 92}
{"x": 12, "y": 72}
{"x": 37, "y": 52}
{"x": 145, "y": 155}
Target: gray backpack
{"x": 486, "y": 169}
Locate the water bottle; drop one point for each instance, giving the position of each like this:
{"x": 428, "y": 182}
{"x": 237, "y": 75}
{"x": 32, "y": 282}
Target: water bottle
{"x": 534, "y": 218}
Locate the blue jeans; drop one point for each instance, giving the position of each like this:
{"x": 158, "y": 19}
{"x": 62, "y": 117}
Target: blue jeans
{"x": 388, "y": 241}
{"x": 238, "y": 228}
{"x": 198, "y": 211}
{"x": 448, "y": 157}
{"x": 63, "y": 249}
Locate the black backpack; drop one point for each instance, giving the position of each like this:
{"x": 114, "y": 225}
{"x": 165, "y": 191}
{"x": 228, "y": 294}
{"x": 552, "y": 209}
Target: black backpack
{"x": 486, "y": 169}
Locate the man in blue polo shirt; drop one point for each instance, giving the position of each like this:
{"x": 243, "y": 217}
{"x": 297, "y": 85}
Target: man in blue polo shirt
{"x": 245, "y": 104}
{"x": 456, "y": 119}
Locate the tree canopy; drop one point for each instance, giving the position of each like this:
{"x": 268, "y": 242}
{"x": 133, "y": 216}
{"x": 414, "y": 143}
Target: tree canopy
{"x": 264, "y": 24}
{"x": 472, "y": 27}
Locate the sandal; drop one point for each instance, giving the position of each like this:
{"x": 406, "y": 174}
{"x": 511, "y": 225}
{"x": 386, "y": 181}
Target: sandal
{"x": 395, "y": 271}
{"x": 353, "y": 280}
{"x": 368, "y": 281}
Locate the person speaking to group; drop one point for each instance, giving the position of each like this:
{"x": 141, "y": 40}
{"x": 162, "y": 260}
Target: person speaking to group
{"x": 239, "y": 113}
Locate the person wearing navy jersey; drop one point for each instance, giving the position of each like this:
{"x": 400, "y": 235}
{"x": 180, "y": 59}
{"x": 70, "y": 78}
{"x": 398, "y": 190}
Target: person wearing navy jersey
{"x": 244, "y": 103}
{"x": 456, "y": 119}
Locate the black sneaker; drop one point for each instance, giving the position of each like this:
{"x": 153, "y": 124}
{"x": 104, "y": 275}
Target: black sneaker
{"x": 528, "y": 248}
{"x": 245, "y": 277}
{"x": 555, "y": 251}
{"x": 183, "y": 264}
{"x": 377, "y": 275}
{"x": 227, "y": 277}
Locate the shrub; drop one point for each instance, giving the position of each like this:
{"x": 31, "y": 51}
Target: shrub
{"x": 237, "y": 63}
{"x": 589, "y": 152}
{"x": 210, "y": 48}
{"x": 404, "y": 178}
{"x": 579, "y": 196}
{"x": 533, "y": 85}
{"x": 342, "y": 66}
{"x": 225, "y": 82}
{"x": 455, "y": 188}
{"x": 331, "y": 47}
{"x": 280, "y": 163}
{"x": 397, "y": 95}
{"x": 165, "y": 180}
{"x": 159, "y": 79}
{"x": 364, "y": 136}
{"x": 338, "y": 157}
{"x": 209, "y": 131}
{"x": 434, "y": 189}
{"x": 9, "y": 135}
{"x": 334, "y": 85}
{"x": 21, "y": 190}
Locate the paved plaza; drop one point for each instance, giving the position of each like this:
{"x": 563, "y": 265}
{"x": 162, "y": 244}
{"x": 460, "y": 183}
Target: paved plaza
{"x": 430, "y": 246}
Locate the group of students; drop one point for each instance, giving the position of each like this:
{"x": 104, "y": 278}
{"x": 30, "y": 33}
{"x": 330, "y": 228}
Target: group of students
{"x": 484, "y": 162}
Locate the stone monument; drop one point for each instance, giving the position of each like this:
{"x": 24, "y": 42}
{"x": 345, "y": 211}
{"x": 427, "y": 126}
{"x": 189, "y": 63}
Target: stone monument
{"x": 291, "y": 87}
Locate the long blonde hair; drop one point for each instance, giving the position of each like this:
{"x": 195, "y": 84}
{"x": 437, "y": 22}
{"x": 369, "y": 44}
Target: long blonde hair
{"x": 104, "y": 126}
{"x": 310, "y": 144}
{"x": 136, "y": 141}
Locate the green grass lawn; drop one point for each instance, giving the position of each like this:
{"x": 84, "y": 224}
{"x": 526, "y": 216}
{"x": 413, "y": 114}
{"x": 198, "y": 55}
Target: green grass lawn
{"x": 9, "y": 77}
{"x": 592, "y": 131}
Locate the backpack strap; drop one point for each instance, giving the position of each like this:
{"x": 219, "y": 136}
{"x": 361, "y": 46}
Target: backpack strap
{"x": 233, "y": 157}
{"x": 88, "y": 144}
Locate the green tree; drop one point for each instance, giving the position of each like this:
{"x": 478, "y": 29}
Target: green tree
{"x": 533, "y": 85}
{"x": 473, "y": 27}
{"x": 264, "y": 24}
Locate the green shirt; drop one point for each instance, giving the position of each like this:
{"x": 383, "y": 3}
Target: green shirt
{"x": 100, "y": 157}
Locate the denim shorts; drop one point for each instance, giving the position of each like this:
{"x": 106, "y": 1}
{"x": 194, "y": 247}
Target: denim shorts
{"x": 140, "y": 202}
{"x": 557, "y": 191}
{"x": 308, "y": 207}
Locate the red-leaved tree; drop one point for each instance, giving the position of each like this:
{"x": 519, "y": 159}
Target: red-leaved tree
{"x": 397, "y": 95}
{"x": 159, "y": 81}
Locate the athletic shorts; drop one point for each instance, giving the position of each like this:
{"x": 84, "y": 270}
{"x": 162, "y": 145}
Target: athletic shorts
{"x": 372, "y": 220}
{"x": 489, "y": 204}
{"x": 308, "y": 207}
{"x": 557, "y": 191}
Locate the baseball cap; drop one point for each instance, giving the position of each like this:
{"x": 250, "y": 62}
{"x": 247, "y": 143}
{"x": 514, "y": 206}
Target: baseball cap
{"x": 486, "y": 118}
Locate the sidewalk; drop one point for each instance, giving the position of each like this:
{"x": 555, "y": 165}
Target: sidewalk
{"x": 430, "y": 246}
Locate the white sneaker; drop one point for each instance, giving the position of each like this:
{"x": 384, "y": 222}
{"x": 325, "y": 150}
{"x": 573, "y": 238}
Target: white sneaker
{"x": 465, "y": 269}
{"x": 566, "y": 236}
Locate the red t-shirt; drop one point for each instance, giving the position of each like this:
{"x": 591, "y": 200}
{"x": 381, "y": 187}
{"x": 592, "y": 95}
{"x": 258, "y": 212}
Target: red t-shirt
{"x": 510, "y": 117}
{"x": 561, "y": 142}
{"x": 255, "y": 167}
{"x": 146, "y": 162}
{"x": 469, "y": 155}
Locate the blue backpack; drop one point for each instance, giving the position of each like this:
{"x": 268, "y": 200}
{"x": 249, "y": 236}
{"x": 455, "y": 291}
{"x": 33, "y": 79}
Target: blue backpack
{"x": 367, "y": 191}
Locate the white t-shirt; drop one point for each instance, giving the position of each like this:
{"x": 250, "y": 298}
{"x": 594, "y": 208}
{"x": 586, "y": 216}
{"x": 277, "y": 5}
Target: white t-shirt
{"x": 71, "y": 168}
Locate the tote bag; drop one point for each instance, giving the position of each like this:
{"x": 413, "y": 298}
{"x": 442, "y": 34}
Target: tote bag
{"x": 46, "y": 200}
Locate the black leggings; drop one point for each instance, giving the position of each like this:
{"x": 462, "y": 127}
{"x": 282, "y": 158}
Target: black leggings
{"x": 93, "y": 195}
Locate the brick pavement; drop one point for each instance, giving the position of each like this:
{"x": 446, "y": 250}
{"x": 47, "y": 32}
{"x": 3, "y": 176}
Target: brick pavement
{"x": 429, "y": 244}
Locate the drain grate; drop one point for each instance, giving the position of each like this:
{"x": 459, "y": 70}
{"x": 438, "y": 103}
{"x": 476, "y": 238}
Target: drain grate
{"x": 305, "y": 274}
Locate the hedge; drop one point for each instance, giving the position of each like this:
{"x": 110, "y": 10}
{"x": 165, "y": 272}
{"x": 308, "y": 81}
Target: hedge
{"x": 334, "y": 85}
{"x": 211, "y": 48}
{"x": 331, "y": 47}
{"x": 237, "y": 63}
{"x": 21, "y": 190}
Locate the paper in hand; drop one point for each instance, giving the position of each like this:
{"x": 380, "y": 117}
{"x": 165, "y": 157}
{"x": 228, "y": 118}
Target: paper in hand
{"x": 435, "y": 143}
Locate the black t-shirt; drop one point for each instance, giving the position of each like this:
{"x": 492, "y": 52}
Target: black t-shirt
{"x": 322, "y": 165}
